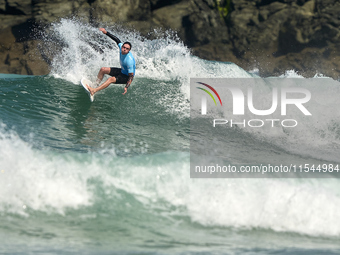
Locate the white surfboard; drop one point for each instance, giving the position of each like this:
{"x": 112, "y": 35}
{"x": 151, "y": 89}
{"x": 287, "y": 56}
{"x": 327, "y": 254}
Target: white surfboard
{"x": 85, "y": 81}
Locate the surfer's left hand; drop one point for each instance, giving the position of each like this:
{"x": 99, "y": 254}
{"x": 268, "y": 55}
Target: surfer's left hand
{"x": 125, "y": 90}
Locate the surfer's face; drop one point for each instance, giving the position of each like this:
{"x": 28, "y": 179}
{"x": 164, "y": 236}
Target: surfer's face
{"x": 125, "y": 49}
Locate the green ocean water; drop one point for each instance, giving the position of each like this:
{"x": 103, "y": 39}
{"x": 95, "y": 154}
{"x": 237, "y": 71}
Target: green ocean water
{"x": 112, "y": 176}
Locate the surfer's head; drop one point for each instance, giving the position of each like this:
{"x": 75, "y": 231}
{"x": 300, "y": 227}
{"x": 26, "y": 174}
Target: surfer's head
{"x": 126, "y": 47}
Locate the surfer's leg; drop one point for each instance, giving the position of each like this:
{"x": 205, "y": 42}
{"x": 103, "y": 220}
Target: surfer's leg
{"x": 100, "y": 76}
{"x": 103, "y": 86}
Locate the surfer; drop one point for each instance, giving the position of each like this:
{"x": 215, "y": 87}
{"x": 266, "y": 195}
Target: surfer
{"x": 123, "y": 75}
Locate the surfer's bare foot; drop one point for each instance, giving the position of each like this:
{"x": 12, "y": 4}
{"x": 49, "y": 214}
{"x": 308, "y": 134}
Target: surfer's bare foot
{"x": 92, "y": 91}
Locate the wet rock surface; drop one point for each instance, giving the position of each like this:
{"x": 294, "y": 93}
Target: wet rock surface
{"x": 272, "y": 36}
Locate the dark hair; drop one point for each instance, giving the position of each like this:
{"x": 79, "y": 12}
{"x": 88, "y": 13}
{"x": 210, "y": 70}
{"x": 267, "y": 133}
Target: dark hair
{"x": 128, "y": 44}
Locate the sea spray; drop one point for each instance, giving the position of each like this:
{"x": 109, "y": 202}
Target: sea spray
{"x": 84, "y": 50}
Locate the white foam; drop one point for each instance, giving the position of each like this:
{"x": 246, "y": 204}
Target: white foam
{"x": 304, "y": 206}
{"x": 52, "y": 182}
{"x": 38, "y": 181}
{"x": 291, "y": 74}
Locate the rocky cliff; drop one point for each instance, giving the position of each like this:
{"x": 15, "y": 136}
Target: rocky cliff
{"x": 270, "y": 35}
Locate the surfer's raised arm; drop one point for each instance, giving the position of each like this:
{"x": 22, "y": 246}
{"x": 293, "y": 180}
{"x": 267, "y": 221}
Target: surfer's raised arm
{"x": 116, "y": 39}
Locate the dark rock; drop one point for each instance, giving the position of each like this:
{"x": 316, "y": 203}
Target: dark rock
{"x": 13, "y": 7}
{"x": 48, "y": 11}
{"x": 20, "y": 57}
{"x": 171, "y": 16}
{"x": 272, "y": 35}
{"x": 106, "y": 11}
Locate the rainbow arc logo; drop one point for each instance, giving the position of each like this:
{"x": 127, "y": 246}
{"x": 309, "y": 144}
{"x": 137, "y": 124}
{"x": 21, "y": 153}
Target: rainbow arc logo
{"x": 204, "y": 99}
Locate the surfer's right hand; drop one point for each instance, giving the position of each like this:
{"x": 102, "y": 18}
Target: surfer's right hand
{"x": 103, "y": 30}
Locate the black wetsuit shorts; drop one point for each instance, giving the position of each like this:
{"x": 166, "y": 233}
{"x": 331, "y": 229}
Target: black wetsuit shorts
{"x": 120, "y": 77}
